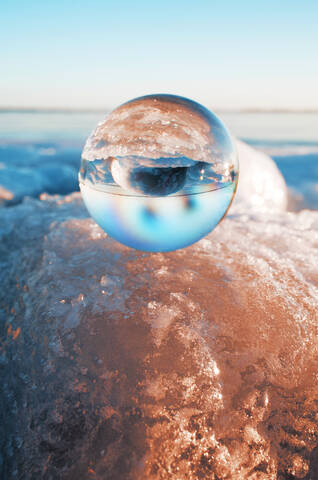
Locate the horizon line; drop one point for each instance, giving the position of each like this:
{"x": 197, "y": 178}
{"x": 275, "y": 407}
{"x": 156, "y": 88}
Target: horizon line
{"x": 70, "y": 110}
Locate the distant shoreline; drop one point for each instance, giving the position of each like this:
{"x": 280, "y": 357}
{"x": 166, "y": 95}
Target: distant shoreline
{"x": 105, "y": 110}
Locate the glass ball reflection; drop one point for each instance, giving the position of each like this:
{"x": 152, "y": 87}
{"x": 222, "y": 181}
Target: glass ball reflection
{"x": 159, "y": 173}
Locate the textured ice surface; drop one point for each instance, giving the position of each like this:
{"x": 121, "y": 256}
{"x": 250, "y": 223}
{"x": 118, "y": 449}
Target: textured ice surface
{"x": 29, "y": 170}
{"x": 121, "y": 365}
{"x": 159, "y": 172}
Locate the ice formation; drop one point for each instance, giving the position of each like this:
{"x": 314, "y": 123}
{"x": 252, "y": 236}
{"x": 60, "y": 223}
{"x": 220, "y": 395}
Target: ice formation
{"x": 122, "y": 365}
{"x": 261, "y": 185}
{"x": 30, "y": 170}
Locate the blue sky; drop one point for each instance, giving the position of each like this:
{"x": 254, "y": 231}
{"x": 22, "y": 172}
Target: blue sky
{"x": 99, "y": 53}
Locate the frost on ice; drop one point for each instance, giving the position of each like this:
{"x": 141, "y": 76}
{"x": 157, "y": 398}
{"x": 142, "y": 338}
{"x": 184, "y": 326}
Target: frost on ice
{"x": 196, "y": 364}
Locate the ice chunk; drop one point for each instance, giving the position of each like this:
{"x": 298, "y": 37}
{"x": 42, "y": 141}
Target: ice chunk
{"x": 118, "y": 364}
{"x": 261, "y": 186}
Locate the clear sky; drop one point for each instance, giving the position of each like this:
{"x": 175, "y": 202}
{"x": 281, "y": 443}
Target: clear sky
{"x": 99, "y": 53}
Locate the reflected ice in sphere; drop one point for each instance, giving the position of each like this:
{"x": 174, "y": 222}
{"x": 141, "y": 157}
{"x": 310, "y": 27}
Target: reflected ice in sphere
{"x": 159, "y": 172}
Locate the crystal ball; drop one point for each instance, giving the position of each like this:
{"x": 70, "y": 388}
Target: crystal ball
{"x": 159, "y": 173}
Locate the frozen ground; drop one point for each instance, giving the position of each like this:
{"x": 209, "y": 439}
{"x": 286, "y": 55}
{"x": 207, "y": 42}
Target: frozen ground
{"x": 195, "y": 364}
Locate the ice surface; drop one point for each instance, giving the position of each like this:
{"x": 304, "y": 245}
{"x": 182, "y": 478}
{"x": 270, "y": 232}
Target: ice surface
{"x": 29, "y": 170}
{"x": 122, "y": 365}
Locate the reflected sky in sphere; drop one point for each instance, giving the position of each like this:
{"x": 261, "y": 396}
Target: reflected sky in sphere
{"x": 159, "y": 172}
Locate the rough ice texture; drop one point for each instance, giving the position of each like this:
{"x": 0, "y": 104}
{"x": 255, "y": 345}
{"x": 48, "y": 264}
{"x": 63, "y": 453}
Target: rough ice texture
{"x": 31, "y": 170}
{"x": 121, "y": 365}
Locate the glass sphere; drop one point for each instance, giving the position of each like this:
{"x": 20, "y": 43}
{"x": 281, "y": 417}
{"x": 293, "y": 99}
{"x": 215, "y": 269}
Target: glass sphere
{"x": 159, "y": 172}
